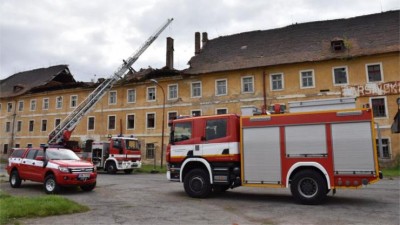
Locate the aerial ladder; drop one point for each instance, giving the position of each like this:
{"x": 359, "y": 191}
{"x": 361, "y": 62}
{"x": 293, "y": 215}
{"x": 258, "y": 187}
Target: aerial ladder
{"x": 62, "y": 132}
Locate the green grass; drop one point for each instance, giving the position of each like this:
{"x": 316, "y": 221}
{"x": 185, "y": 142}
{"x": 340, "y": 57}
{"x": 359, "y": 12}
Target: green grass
{"x": 391, "y": 172}
{"x": 14, "y": 207}
{"x": 149, "y": 168}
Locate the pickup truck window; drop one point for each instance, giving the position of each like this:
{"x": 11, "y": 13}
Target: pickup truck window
{"x": 61, "y": 154}
{"x": 17, "y": 153}
{"x": 31, "y": 154}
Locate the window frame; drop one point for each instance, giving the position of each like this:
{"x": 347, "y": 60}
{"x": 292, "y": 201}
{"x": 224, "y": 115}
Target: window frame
{"x": 10, "y": 106}
{"x": 216, "y": 111}
{"x": 196, "y": 110}
{"x": 33, "y": 126}
{"x": 243, "y": 84}
{"x": 134, "y": 121}
{"x": 19, "y": 125}
{"x": 374, "y": 64}
{"x": 168, "y": 115}
{"x": 43, "y": 124}
{"x": 21, "y": 104}
{"x": 33, "y": 105}
{"x": 108, "y": 122}
{"x": 385, "y": 104}
{"x": 147, "y": 120}
{"x": 389, "y": 149}
{"x": 148, "y": 94}
{"x": 301, "y": 78}
{"x": 271, "y": 81}
{"x": 111, "y": 98}
{"x": 192, "y": 89}
{"x": 153, "y": 150}
{"x": 169, "y": 91}
{"x": 71, "y": 101}
{"x": 44, "y": 104}
{"x": 8, "y": 127}
{"x": 94, "y": 123}
{"x": 59, "y": 100}
{"x": 334, "y": 77}
{"x": 55, "y": 122}
{"x": 134, "y": 96}
{"x": 216, "y": 87}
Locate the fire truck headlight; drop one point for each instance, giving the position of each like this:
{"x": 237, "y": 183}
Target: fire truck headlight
{"x": 63, "y": 169}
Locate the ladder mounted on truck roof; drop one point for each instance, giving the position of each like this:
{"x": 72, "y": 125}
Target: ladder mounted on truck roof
{"x": 62, "y": 132}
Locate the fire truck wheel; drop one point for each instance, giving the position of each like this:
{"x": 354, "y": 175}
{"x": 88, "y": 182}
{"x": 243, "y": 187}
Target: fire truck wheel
{"x": 50, "y": 184}
{"x": 111, "y": 168}
{"x": 89, "y": 187}
{"x": 197, "y": 183}
{"x": 128, "y": 171}
{"x": 308, "y": 187}
{"x": 15, "y": 180}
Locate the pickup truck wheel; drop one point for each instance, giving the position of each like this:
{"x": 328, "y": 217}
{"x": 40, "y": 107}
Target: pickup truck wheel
{"x": 50, "y": 184}
{"x": 197, "y": 183}
{"x": 308, "y": 187}
{"x": 111, "y": 168}
{"x": 15, "y": 180}
{"x": 89, "y": 187}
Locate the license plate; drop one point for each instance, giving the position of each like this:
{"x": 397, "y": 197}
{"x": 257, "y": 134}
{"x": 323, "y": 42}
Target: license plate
{"x": 83, "y": 176}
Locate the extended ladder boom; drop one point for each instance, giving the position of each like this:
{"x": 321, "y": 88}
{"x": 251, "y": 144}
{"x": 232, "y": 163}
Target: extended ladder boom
{"x": 62, "y": 132}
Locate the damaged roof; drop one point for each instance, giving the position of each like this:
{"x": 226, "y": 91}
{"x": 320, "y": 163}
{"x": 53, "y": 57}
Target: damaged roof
{"x": 23, "y": 82}
{"x": 306, "y": 42}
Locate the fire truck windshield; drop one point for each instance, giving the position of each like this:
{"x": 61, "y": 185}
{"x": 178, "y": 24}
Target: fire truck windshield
{"x": 132, "y": 144}
{"x": 182, "y": 131}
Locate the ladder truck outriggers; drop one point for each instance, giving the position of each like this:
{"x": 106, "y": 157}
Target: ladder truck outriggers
{"x": 119, "y": 153}
{"x": 311, "y": 153}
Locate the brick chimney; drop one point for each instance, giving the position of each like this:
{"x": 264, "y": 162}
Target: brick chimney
{"x": 196, "y": 43}
{"x": 204, "y": 39}
{"x": 170, "y": 53}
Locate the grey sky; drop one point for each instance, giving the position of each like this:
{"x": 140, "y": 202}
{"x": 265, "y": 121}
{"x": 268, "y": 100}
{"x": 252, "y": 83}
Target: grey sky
{"x": 93, "y": 36}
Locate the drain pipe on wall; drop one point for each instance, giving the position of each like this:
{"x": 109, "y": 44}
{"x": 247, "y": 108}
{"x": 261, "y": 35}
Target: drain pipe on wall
{"x": 264, "y": 108}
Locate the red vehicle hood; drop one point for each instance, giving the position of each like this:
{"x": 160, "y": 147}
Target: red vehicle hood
{"x": 72, "y": 163}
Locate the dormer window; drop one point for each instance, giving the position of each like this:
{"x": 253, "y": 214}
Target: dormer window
{"x": 17, "y": 88}
{"x": 337, "y": 45}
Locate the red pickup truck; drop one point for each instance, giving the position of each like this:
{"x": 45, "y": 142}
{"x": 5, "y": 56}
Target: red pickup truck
{"x": 54, "y": 167}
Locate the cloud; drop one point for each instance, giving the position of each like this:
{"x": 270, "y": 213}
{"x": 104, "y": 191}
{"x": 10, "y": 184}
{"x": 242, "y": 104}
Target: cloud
{"x": 93, "y": 37}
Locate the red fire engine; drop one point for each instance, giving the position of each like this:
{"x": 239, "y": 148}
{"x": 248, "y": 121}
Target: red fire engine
{"x": 309, "y": 152}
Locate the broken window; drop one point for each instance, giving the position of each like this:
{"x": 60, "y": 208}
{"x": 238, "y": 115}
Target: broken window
{"x": 337, "y": 45}
{"x": 151, "y": 93}
{"x": 9, "y": 107}
{"x": 340, "y": 75}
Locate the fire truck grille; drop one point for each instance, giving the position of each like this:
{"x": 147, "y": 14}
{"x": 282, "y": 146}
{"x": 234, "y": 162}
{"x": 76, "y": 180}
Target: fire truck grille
{"x": 81, "y": 170}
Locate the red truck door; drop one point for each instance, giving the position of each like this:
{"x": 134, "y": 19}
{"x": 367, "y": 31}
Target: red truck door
{"x": 31, "y": 168}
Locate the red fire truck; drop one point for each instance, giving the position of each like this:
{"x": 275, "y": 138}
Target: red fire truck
{"x": 311, "y": 153}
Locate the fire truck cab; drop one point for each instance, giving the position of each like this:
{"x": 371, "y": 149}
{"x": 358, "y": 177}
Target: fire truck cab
{"x": 119, "y": 153}
{"x": 309, "y": 152}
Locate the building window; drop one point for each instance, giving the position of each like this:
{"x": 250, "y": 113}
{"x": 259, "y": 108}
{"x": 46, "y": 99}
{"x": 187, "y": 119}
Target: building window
{"x": 340, "y": 75}
{"x": 379, "y": 107}
{"x": 385, "y": 154}
{"x": 247, "y": 84}
{"x": 195, "y": 112}
{"x": 172, "y": 116}
{"x": 221, "y": 111}
{"x": 111, "y": 122}
{"x": 90, "y": 123}
{"x": 374, "y": 72}
{"x": 151, "y": 94}
{"x": 8, "y": 127}
{"x": 221, "y": 87}
{"x": 17, "y": 145}
{"x": 131, "y": 96}
{"x": 31, "y": 125}
{"x": 74, "y": 101}
{"x": 44, "y": 125}
{"x": 5, "y": 148}
{"x": 150, "y": 150}
{"x": 276, "y": 81}
{"x": 57, "y": 123}
{"x": 151, "y": 120}
{"x": 112, "y": 100}
{"x": 33, "y": 105}
{"x": 59, "y": 102}
{"x": 307, "y": 79}
{"x": 196, "y": 89}
{"x": 130, "y": 121}
{"x": 173, "y": 91}
{"x": 9, "y": 107}
{"x": 19, "y": 126}
{"x": 45, "y": 103}
{"x": 20, "y": 106}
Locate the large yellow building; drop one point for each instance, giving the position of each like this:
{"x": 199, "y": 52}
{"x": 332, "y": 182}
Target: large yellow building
{"x": 347, "y": 58}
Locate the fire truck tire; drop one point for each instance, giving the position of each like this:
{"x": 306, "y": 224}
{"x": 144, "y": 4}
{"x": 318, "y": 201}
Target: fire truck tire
{"x": 308, "y": 187}
{"x": 50, "y": 184}
{"x": 15, "y": 180}
{"x": 111, "y": 168}
{"x": 197, "y": 183}
{"x": 89, "y": 187}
